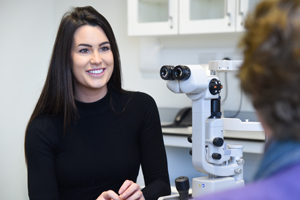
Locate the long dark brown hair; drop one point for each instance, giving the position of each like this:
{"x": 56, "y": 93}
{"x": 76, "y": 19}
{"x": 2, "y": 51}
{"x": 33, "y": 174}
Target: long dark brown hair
{"x": 57, "y": 96}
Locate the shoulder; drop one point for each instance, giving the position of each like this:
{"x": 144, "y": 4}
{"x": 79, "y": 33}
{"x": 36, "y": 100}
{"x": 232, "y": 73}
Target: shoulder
{"x": 283, "y": 185}
{"x": 141, "y": 96}
{"x": 143, "y": 102}
{"x": 44, "y": 127}
{"x": 139, "y": 104}
{"x": 44, "y": 122}
{"x": 258, "y": 191}
{"x": 136, "y": 98}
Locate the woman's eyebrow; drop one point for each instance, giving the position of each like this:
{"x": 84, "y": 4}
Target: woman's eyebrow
{"x": 103, "y": 43}
{"x": 88, "y": 45}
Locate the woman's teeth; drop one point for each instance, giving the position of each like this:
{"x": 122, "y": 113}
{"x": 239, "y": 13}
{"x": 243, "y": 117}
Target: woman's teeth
{"x": 96, "y": 71}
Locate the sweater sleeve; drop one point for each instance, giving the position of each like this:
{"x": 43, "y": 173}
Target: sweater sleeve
{"x": 40, "y": 155}
{"x": 153, "y": 154}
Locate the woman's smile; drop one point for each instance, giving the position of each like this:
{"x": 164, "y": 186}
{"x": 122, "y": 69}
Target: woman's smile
{"x": 96, "y": 72}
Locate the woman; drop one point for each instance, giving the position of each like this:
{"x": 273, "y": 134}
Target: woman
{"x": 87, "y": 137}
{"x": 270, "y": 75}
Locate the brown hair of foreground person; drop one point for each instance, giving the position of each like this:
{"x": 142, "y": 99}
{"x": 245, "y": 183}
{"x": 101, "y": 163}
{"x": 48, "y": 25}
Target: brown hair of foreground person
{"x": 270, "y": 73}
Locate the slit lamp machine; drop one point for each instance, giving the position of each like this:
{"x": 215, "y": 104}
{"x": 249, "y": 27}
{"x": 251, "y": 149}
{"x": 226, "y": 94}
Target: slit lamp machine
{"x": 223, "y": 163}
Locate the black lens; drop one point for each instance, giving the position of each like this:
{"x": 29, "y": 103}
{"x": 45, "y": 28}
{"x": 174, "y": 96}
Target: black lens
{"x": 178, "y": 72}
{"x": 166, "y": 72}
{"x": 181, "y": 72}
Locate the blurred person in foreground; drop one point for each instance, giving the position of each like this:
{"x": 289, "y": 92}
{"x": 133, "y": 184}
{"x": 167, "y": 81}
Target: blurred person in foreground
{"x": 270, "y": 76}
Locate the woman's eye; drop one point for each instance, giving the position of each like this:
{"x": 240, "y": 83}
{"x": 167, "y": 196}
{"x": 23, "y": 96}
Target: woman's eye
{"x": 83, "y": 50}
{"x": 104, "y": 48}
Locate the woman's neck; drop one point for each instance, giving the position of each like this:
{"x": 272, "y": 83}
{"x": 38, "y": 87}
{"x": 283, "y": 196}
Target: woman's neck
{"x": 89, "y": 96}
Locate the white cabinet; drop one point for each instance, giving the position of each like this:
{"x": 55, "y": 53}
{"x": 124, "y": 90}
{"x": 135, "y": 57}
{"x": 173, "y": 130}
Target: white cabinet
{"x": 213, "y": 16}
{"x": 207, "y": 16}
{"x": 152, "y": 17}
{"x": 171, "y": 17}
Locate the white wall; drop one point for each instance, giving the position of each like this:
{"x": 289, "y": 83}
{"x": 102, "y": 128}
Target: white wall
{"x": 27, "y": 33}
{"x": 26, "y": 37}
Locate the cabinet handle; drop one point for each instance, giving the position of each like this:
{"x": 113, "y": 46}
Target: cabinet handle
{"x": 241, "y": 7}
{"x": 171, "y": 13}
{"x": 171, "y": 21}
{"x": 229, "y": 10}
{"x": 228, "y": 7}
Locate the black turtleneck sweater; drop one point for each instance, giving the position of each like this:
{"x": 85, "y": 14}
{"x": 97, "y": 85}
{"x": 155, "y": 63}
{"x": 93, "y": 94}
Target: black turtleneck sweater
{"x": 105, "y": 146}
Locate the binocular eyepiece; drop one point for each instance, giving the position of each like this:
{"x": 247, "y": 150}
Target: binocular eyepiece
{"x": 180, "y": 72}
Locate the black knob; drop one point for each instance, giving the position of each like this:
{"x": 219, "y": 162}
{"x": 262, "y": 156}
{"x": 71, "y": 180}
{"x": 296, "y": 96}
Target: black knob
{"x": 218, "y": 141}
{"x": 191, "y": 152}
{"x": 226, "y": 58}
{"x": 182, "y": 185}
{"x": 216, "y": 156}
{"x": 215, "y": 86}
{"x": 190, "y": 139}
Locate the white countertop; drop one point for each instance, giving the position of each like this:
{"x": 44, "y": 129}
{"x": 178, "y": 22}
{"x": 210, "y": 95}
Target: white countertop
{"x": 253, "y": 141}
{"x": 245, "y": 135}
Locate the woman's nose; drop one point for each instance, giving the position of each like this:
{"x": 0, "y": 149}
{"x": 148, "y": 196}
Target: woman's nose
{"x": 96, "y": 59}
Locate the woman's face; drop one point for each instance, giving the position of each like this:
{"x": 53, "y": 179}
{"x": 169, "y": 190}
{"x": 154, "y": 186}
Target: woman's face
{"x": 93, "y": 63}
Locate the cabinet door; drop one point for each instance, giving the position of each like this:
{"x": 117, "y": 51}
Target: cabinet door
{"x": 244, "y": 7}
{"x": 207, "y": 16}
{"x": 152, "y": 17}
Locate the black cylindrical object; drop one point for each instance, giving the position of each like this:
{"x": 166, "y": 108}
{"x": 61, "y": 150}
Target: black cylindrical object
{"x": 215, "y": 108}
{"x": 183, "y": 185}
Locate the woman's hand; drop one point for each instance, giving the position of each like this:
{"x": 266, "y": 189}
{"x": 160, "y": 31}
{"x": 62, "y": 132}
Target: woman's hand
{"x": 130, "y": 191}
{"x": 108, "y": 195}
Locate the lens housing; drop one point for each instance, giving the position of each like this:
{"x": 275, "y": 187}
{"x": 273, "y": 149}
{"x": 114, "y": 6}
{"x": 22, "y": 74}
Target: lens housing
{"x": 166, "y": 72}
{"x": 181, "y": 72}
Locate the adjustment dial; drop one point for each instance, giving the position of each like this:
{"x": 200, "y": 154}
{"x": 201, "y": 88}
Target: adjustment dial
{"x": 215, "y": 86}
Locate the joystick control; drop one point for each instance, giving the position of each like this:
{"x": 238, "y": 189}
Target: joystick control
{"x": 183, "y": 186}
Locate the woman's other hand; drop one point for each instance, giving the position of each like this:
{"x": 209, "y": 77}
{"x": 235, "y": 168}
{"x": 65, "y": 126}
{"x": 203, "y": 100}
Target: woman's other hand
{"x": 130, "y": 191}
